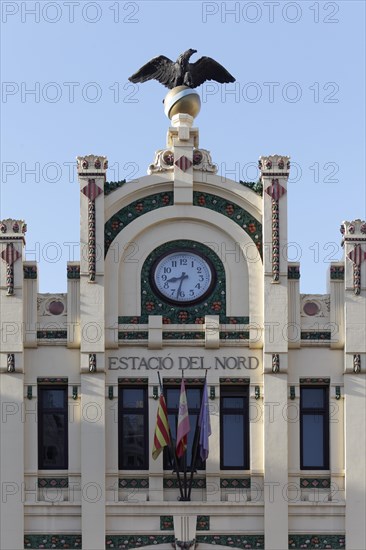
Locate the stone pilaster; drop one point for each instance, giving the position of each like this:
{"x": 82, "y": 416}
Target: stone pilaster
{"x": 73, "y": 304}
{"x": 336, "y": 292}
{"x": 275, "y": 172}
{"x": 11, "y": 383}
{"x": 183, "y": 138}
{"x": 92, "y": 173}
{"x": 294, "y": 318}
{"x": 30, "y": 304}
{"x": 354, "y": 242}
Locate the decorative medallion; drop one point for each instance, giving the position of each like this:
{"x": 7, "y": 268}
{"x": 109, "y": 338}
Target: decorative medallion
{"x": 183, "y": 163}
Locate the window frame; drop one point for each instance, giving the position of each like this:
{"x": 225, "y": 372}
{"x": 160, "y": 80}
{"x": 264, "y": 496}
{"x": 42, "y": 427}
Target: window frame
{"x": 232, "y": 391}
{"x": 41, "y": 412}
{"x": 324, "y": 412}
{"x": 144, "y": 411}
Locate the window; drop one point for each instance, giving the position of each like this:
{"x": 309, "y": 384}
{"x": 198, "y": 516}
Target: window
{"x": 52, "y": 428}
{"x": 314, "y": 428}
{"x": 234, "y": 428}
{"x": 194, "y": 396}
{"x": 133, "y": 428}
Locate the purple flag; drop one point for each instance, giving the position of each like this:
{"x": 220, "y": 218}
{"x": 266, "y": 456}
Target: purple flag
{"x": 205, "y": 424}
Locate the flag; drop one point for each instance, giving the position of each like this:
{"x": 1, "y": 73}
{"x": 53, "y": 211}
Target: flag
{"x": 183, "y": 422}
{"x": 204, "y": 424}
{"x": 162, "y": 432}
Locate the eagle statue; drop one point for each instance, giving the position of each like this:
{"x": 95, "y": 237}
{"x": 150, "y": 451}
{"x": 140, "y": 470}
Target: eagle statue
{"x": 182, "y": 72}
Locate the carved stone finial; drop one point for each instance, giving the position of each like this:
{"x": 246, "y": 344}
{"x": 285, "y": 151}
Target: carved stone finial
{"x": 13, "y": 228}
{"x": 353, "y": 231}
{"x": 274, "y": 165}
{"x": 92, "y": 164}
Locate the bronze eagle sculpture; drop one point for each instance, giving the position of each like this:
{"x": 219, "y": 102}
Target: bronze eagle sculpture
{"x": 181, "y": 72}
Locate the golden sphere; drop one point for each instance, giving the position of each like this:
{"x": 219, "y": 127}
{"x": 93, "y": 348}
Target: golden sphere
{"x": 182, "y": 100}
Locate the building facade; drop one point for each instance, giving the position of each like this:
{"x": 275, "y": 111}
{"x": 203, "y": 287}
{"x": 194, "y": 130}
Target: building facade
{"x": 183, "y": 271}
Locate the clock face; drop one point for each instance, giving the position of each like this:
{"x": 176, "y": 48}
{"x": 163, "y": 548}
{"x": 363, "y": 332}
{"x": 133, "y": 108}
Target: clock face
{"x": 183, "y": 277}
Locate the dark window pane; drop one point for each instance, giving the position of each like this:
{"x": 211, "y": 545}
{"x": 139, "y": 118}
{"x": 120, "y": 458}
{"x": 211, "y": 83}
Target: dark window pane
{"x": 233, "y": 402}
{"x": 133, "y": 441}
{"x": 193, "y": 398}
{"x": 53, "y": 438}
{"x": 133, "y": 398}
{"x": 53, "y": 399}
{"x": 312, "y": 441}
{"x": 172, "y": 401}
{"x": 233, "y": 440}
{"x": 132, "y": 428}
{"x": 312, "y": 398}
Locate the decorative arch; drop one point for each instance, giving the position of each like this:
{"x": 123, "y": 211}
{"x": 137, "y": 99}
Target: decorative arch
{"x": 140, "y": 207}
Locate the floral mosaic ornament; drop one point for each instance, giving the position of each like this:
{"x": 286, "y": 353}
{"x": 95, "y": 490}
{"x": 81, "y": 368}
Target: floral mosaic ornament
{"x": 233, "y": 541}
{"x": 233, "y": 211}
{"x": 52, "y": 541}
{"x": 129, "y": 213}
{"x": 131, "y": 542}
{"x": 316, "y": 541}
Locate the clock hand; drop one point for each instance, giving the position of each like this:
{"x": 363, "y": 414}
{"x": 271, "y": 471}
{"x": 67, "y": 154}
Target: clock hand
{"x": 173, "y": 279}
{"x": 182, "y": 277}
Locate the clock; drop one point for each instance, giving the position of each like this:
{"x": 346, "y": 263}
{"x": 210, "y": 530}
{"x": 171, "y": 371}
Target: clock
{"x": 183, "y": 277}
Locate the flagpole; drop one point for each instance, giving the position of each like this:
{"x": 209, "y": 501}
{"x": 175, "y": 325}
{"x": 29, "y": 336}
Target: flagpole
{"x": 172, "y": 451}
{"x": 194, "y": 451}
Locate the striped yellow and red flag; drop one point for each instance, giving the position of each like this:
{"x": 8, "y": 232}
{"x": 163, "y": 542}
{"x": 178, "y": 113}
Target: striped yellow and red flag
{"x": 162, "y": 432}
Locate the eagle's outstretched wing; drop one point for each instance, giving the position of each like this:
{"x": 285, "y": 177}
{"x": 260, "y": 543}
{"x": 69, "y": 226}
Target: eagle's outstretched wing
{"x": 207, "y": 68}
{"x": 160, "y": 68}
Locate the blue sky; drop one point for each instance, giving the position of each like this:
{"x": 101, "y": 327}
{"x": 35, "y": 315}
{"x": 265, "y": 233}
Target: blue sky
{"x": 300, "y": 91}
